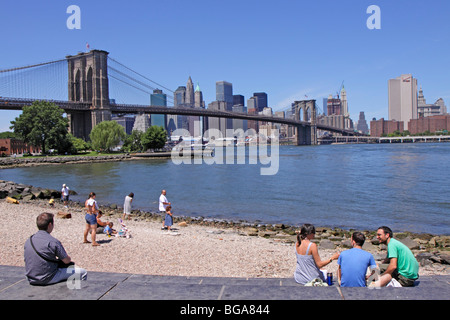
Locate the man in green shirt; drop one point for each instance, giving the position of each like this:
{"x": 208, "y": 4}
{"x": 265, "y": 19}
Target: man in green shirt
{"x": 402, "y": 265}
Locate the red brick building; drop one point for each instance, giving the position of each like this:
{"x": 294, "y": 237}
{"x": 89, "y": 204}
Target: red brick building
{"x": 381, "y": 126}
{"x": 12, "y": 146}
{"x": 431, "y": 124}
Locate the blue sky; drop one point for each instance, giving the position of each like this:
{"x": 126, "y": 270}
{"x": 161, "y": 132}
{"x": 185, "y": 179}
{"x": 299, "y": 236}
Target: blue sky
{"x": 287, "y": 49}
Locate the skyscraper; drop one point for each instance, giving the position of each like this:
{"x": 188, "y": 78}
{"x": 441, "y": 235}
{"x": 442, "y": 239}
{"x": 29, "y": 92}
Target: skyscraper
{"x": 158, "y": 98}
{"x": 224, "y": 92}
{"x": 261, "y": 100}
{"x": 362, "y": 123}
{"x": 189, "y": 98}
{"x": 402, "y": 92}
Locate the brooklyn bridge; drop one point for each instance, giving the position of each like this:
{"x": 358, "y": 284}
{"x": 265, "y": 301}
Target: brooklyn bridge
{"x": 86, "y": 78}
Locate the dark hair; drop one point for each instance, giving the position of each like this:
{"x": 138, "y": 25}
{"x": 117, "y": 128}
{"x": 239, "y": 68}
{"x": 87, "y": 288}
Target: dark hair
{"x": 359, "y": 238}
{"x": 131, "y": 195}
{"x": 305, "y": 230}
{"x": 43, "y": 220}
{"x": 387, "y": 230}
{"x": 91, "y": 195}
{"x": 168, "y": 208}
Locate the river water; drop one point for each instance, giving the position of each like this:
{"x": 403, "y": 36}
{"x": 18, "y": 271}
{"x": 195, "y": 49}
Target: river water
{"x": 364, "y": 186}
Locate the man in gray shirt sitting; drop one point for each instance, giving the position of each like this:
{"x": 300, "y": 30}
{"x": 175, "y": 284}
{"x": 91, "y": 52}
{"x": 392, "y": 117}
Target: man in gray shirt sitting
{"x": 42, "y": 253}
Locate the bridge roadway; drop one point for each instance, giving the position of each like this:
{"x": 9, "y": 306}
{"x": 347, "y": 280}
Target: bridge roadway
{"x": 68, "y": 106}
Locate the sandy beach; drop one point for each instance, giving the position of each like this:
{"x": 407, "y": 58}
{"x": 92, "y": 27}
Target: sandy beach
{"x": 195, "y": 250}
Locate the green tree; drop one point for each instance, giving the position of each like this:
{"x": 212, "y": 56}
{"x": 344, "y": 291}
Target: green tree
{"x": 154, "y": 138}
{"x": 133, "y": 142}
{"x": 107, "y": 135}
{"x": 42, "y": 124}
{"x": 79, "y": 145}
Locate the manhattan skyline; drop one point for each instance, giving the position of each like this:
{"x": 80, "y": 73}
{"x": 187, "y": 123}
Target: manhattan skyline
{"x": 292, "y": 50}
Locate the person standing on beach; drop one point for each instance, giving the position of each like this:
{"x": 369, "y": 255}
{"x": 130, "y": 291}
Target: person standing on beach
{"x": 43, "y": 253}
{"x": 168, "y": 220}
{"x": 91, "y": 219}
{"x": 163, "y": 203}
{"x": 127, "y": 206}
{"x": 400, "y": 262}
{"x": 308, "y": 260}
{"x": 65, "y": 194}
{"x": 353, "y": 263}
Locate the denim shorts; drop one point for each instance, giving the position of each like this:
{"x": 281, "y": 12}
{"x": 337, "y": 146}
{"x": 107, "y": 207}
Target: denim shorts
{"x": 90, "y": 219}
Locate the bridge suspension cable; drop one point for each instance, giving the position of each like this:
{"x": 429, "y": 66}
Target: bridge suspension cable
{"x": 47, "y": 80}
{"x": 118, "y": 72}
{"x": 31, "y": 66}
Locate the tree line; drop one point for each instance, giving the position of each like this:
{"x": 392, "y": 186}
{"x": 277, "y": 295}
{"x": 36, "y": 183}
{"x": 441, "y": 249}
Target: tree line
{"x": 43, "y": 125}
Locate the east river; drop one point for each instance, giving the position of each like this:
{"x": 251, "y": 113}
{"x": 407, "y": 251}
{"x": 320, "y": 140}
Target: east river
{"x": 364, "y": 186}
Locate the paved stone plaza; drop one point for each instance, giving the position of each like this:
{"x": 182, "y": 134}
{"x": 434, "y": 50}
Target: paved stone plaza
{"x": 120, "y": 286}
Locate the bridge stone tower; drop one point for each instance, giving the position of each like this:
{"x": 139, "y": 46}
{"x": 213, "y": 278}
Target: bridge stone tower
{"x": 88, "y": 82}
{"x": 305, "y": 110}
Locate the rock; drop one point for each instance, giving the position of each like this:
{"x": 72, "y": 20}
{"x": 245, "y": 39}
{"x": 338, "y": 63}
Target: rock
{"x": 28, "y": 197}
{"x": 423, "y": 258}
{"x": 327, "y": 244}
{"x": 410, "y": 243}
{"x": 445, "y": 258}
{"x": 182, "y": 224}
{"x": 267, "y": 234}
{"x": 368, "y": 246}
{"x": 251, "y": 231}
{"x": 346, "y": 243}
{"x": 280, "y": 226}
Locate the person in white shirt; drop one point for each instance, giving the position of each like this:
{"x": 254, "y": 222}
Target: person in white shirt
{"x": 65, "y": 194}
{"x": 163, "y": 203}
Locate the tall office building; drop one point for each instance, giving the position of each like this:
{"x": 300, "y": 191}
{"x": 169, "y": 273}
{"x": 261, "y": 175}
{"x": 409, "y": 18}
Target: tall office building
{"x": 362, "y": 123}
{"x": 198, "y": 98}
{"x": 224, "y": 92}
{"x": 180, "y": 100}
{"x": 142, "y": 122}
{"x": 344, "y": 110}
{"x": 238, "y": 100}
{"x": 261, "y": 100}
{"x": 334, "y": 106}
{"x": 402, "y": 92}
{"x": 189, "y": 97}
{"x": 217, "y": 123}
{"x": 158, "y": 98}
{"x": 200, "y": 103}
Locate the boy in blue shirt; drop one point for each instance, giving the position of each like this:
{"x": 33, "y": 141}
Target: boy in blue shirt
{"x": 353, "y": 263}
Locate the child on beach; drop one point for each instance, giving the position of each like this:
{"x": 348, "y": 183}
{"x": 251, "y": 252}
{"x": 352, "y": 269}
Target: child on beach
{"x": 109, "y": 230}
{"x": 51, "y": 202}
{"x": 168, "y": 221}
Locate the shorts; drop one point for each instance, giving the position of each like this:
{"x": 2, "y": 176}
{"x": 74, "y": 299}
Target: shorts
{"x": 90, "y": 219}
{"x": 65, "y": 198}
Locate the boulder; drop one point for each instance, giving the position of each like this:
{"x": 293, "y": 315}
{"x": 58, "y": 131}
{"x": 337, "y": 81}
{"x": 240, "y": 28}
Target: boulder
{"x": 410, "y": 243}
{"x": 327, "y": 244}
{"x": 182, "y": 224}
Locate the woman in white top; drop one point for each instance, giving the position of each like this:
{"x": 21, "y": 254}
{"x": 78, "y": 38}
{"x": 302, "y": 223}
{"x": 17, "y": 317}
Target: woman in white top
{"x": 308, "y": 259}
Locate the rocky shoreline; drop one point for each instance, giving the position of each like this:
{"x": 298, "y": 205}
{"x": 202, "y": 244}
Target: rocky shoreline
{"x": 432, "y": 251}
{"x": 11, "y": 162}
